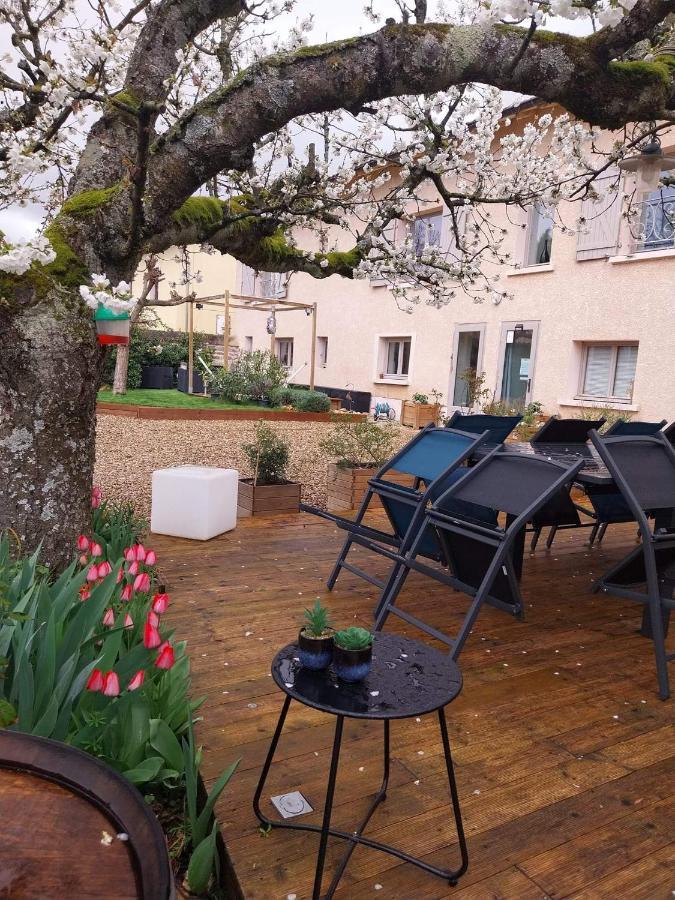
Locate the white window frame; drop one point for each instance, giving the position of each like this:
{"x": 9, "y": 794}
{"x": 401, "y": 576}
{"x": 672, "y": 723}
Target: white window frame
{"x": 479, "y": 327}
{"x": 382, "y": 342}
{"x": 612, "y": 371}
{"x": 532, "y": 216}
{"x": 248, "y": 343}
{"x": 220, "y": 324}
{"x": 532, "y": 325}
{"x": 428, "y": 214}
{"x": 277, "y": 350}
{"x": 322, "y": 350}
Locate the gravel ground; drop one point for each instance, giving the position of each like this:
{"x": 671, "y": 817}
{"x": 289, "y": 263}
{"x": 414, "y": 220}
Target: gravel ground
{"x": 127, "y": 451}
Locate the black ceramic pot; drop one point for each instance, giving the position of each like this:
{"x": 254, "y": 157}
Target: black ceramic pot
{"x": 315, "y": 653}
{"x": 352, "y": 665}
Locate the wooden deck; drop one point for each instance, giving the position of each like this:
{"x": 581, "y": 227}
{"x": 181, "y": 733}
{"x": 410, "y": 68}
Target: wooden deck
{"x": 563, "y": 751}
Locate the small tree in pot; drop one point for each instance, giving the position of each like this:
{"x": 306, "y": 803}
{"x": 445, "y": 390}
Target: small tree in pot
{"x": 315, "y": 642}
{"x": 268, "y": 490}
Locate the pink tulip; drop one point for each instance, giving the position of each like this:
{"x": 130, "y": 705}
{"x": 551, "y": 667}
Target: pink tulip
{"x": 127, "y": 592}
{"x": 130, "y": 554}
{"x": 95, "y": 680}
{"x": 83, "y": 543}
{"x": 128, "y": 621}
{"x": 137, "y": 680}
{"x": 85, "y": 593}
{"x": 165, "y": 658}
{"x": 151, "y": 636}
{"x": 96, "y": 550}
{"x": 109, "y": 618}
{"x": 120, "y": 575}
{"x": 153, "y": 619}
{"x": 133, "y": 568}
{"x": 84, "y": 559}
{"x": 111, "y": 684}
{"x": 150, "y": 558}
{"x": 160, "y": 603}
{"x": 92, "y": 573}
{"x": 142, "y": 583}
{"x": 140, "y": 552}
{"x": 104, "y": 569}
{"x": 96, "y": 497}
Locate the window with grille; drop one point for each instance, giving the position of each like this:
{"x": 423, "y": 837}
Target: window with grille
{"x": 609, "y": 371}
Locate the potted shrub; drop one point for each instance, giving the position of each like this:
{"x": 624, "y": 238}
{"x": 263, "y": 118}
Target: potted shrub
{"x": 268, "y": 490}
{"x": 352, "y": 653}
{"x": 315, "y": 641}
{"x": 419, "y": 412}
{"x": 359, "y": 449}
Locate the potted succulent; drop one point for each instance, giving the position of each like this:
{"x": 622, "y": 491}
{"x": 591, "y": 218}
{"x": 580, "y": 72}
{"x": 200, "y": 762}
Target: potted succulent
{"x": 352, "y": 653}
{"x": 359, "y": 449}
{"x": 315, "y": 641}
{"x": 268, "y": 491}
{"x": 418, "y": 412}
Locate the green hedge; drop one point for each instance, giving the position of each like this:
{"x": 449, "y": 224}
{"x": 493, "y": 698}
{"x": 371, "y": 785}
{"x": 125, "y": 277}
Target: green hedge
{"x": 301, "y": 399}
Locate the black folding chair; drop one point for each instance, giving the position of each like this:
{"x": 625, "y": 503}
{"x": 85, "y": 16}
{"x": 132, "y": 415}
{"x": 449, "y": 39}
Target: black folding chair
{"x": 483, "y": 561}
{"x": 623, "y": 428}
{"x": 643, "y": 467}
{"x": 431, "y": 457}
{"x": 498, "y": 427}
{"x": 562, "y": 512}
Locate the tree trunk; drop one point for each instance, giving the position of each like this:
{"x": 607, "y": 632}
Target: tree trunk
{"x": 49, "y": 371}
{"x": 121, "y": 369}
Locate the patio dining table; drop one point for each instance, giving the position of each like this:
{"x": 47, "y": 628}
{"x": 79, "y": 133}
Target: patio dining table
{"x": 593, "y": 471}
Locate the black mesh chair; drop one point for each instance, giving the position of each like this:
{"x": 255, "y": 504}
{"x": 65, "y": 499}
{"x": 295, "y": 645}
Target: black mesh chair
{"x": 498, "y": 427}
{"x": 623, "y": 428}
{"x": 554, "y": 436}
{"x": 482, "y": 561}
{"x": 431, "y": 457}
{"x": 643, "y": 468}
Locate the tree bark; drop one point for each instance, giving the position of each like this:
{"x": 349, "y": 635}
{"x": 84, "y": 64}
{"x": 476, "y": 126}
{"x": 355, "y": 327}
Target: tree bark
{"x": 49, "y": 370}
{"x": 121, "y": 369}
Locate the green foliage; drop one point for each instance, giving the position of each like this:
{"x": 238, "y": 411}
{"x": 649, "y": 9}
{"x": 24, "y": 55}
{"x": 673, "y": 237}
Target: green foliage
{"x": 476, "y": 391}
{"x": 310, "y": 401}
{"x": 317, "y": 620}
{"x": 260, "y": 372}
{"x": 115, "y": 526}
{"x": 359, "y": 443}
{"x": 267, "y": 455}
{"x": 591, "y": 413}
{"x": 531, "y": 412}
{"x": 353, "y": 638}
{"x": 420, "y": 398}
{"x": 228, "y": 385}
{"x": 150, "y": 349}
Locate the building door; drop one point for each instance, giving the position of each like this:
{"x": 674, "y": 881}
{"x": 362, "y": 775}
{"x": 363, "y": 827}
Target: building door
{"x": 467, "y": 358}
{"x": 517, "y": 356}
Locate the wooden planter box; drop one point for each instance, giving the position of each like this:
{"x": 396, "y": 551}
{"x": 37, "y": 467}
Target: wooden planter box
{"x": 417, "y": 415}
{"x": 346, "y": 486}
{"x": 267, "y": 499}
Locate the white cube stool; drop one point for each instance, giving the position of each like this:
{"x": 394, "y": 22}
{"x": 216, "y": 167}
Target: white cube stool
{"x": 197, "y": 502}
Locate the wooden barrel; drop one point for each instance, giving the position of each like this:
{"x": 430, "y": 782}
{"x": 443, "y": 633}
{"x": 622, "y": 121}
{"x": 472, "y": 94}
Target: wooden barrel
{"x": 73, "y": 828}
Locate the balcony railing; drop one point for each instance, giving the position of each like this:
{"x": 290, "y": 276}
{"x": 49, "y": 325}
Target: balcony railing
{"x": 656, "y": 229}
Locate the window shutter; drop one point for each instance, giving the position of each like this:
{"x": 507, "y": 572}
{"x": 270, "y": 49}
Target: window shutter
{"x": 247, "y": 281}
{"x": 626, "y": 360}
{"x": 602, "y": 218}
{"x": 448, "y": 237}
{"x": 596, "y": 379}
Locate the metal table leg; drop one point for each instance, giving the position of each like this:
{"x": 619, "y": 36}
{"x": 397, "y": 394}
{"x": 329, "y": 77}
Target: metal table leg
{"x": 328, "y": 808}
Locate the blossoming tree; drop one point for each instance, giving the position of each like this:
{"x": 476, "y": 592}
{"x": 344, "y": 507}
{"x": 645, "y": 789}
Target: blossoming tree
{"x": 142, "y": 125}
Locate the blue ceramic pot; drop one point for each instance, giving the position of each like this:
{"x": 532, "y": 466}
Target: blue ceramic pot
{"x": 352, "y": 665}
{"x": 315, "y": 653}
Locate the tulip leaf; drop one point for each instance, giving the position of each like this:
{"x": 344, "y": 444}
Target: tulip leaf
{"x": 7, "y": 714}
{"x": 46, "y": 724}
{"x": 202, "y": 862}
{"x": 145, "y": 771}
{"x": 204, "y": 817}
{"x": 164, "y": 741}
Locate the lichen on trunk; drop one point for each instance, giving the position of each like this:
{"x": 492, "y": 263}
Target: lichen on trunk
{"x": 49, "y": 365}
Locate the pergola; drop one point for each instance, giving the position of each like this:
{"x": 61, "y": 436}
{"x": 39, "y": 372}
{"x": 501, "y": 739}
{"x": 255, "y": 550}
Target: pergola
{"x": 268, "y": 305}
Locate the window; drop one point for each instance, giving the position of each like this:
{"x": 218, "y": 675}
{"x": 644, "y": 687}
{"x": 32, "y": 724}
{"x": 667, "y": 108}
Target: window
{"x": 427, "y": 232}
{"x": 539, "y": 236}
{"x": 321, "y": 351}
{"x": 284, "y": 350}
{"x": 657, "y": 226}
{"x": 397, "y": 357}
{"x": 609, "y": 371}
{"x": 220, "y": 325}
{"x": 248, "y": 344}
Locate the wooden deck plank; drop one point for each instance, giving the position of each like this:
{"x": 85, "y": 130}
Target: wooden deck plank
{"x": 559, "y": 739}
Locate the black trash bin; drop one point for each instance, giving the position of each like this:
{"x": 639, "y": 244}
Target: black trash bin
{"x": 159, "y": 378}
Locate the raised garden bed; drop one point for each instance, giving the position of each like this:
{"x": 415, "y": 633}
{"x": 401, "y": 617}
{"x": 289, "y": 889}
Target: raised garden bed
{"x": 221, "y": 415}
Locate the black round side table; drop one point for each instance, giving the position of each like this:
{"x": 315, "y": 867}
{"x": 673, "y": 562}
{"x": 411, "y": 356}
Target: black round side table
{"x": 408, "y": 679}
